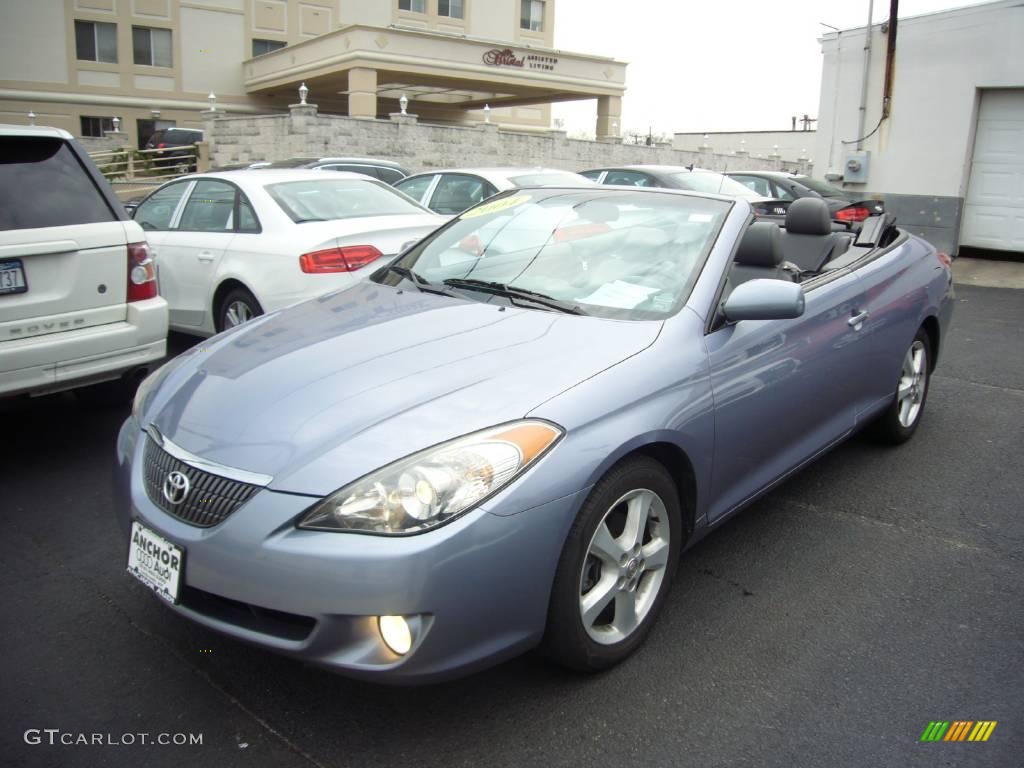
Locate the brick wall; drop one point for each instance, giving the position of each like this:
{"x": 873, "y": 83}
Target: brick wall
{"x": 421, "y": 147}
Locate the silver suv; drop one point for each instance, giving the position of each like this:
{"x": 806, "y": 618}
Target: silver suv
{"x": 78, "y": 293}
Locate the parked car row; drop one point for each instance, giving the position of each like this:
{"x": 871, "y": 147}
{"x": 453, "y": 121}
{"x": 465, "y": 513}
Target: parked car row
{"x": 845, "y": 208}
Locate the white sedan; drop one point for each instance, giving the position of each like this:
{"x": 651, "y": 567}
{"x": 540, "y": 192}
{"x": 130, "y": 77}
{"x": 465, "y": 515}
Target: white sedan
{"x": 233, "y": 245}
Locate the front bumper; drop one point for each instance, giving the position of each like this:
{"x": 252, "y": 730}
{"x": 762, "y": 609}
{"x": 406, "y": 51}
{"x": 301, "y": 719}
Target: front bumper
{"x": 478, "y": 586}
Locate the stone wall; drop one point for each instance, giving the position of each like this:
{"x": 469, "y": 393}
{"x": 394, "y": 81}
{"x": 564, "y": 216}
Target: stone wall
{"x": 420, "y": 147}
{"x": 107, "y": 143}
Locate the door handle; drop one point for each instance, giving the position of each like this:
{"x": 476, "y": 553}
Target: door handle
{"x": 855, "y": 321}
{"x": 205, "y": 256}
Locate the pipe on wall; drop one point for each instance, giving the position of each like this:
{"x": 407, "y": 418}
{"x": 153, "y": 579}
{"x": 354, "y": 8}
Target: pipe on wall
{"x": 862, "y": 118}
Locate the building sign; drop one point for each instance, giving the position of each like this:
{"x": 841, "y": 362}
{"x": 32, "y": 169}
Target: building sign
{"x": 497, "y": 57}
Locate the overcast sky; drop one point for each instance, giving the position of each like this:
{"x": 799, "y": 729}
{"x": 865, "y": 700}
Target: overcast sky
{"x": 717, "y": 65}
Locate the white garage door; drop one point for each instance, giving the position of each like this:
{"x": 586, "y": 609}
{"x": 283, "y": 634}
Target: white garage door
{"x": 994, "y": 209}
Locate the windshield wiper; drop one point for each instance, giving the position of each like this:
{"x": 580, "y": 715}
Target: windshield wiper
{"x": 303, "y": 221}
{"x": 419, "y": 281}
{"x": 511, "y": 292}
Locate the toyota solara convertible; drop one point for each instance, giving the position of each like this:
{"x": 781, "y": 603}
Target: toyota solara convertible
{"x": 505, "y": 436}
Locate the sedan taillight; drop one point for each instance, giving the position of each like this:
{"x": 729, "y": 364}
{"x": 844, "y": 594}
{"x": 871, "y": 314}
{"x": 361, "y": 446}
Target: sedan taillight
{"x": 853, "y": 213}
{"x": 141, "y": 272}
{"x": 346, "y": 259}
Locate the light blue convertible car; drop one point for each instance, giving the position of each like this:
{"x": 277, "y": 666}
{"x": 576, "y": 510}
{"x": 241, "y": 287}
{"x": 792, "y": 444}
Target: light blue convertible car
{"x": 507, "y": 436}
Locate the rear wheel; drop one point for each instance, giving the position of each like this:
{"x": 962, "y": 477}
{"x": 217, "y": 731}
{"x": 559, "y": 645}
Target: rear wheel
{"x": 616, "y": 567}
{"x": 899, "y": 421}
{"x": 237, "y": 307}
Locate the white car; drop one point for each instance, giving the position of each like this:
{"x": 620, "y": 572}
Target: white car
{"x": 233, "y": 245}
{"x": 450, "y": 192}
{"x": 78, "y": 290}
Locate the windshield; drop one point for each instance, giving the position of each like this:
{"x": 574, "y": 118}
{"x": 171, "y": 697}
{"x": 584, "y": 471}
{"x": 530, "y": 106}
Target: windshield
{"x": 823, "y": 189}
{"x": 625, "y": 255}
{"x": 550, "y": 180}
{"x": 329, "y": 199}
{"x": 715, "y": 183}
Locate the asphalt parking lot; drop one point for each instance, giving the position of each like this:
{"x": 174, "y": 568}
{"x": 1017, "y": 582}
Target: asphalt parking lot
{"x": 825, "y": 626}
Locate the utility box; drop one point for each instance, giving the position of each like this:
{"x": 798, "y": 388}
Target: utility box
{"x": 855, "y": 167}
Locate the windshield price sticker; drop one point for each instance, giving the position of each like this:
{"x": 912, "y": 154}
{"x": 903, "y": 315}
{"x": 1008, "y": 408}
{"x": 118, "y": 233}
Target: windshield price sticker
{"x": 498, "y": 205}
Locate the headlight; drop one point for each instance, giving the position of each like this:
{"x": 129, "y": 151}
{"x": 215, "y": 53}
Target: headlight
{"x": 436, "y": 485}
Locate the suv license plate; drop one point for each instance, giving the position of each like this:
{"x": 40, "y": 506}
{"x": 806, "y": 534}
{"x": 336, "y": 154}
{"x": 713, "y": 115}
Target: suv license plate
{"x": 12, "y": 277}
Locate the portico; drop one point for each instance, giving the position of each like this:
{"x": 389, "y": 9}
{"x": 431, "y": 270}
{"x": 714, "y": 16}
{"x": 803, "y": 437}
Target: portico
{"x": 363, "y": 71}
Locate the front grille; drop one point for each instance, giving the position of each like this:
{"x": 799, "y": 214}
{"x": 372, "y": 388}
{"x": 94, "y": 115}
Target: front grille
{"x": 211, "y": 498}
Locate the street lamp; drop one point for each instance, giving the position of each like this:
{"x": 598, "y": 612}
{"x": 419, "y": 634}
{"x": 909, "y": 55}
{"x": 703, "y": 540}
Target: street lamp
{"x": 212, "y": 99}
{"x": 117, "y": 124}
{"x": 487, "y": 113}
{"x": 31, "y": 118}
{"x": 155, "y": 113}
{"x": 403, "y": 103}
{"x": 303, "y": 93}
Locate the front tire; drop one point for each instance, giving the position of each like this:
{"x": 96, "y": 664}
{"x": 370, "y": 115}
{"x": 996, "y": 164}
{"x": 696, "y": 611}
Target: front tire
{"x": 616, "y": 567}
{"x": 237, "y": 307}
{"x": 899, "y": 421}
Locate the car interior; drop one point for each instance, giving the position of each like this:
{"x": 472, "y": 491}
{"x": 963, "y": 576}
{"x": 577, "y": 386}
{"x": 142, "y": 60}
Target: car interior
{"x": 806, "y": 246}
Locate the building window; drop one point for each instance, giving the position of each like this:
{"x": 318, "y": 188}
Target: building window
{"x": 416, "y": 6}
{"x": 450, "y": 8}
{"x": 260, "y": 47}
{"x": 531, "y": 15}
{"x": 95, "y": 126}
{"x": 151, "y": 47}
{"x": 96, "y": 41}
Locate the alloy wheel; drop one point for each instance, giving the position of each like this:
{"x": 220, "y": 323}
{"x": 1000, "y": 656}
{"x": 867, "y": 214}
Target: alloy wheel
{"x": 237, "y": 312}
{"x": 911, "y": 391}
{"x": 624, "y": 567}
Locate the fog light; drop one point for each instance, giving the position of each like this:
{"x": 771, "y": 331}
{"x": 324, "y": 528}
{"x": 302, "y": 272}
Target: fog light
{"x": 395, "y": 632}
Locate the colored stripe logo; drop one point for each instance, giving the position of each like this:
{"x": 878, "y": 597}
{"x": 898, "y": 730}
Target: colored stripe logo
{"x": 958, "y": 730}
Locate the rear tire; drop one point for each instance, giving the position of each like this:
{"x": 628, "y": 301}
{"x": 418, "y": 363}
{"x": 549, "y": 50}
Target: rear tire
{"x": 237, "y": 307}
{"x": 899, "y": 421}
{"x": 616, "y": 567}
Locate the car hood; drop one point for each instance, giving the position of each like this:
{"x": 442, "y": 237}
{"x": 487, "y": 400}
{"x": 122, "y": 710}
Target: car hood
{"x": 319, "y": 394}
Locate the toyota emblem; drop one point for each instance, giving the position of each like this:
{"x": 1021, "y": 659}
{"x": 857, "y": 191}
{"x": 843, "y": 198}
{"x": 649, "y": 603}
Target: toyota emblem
{"x": 176, "y": 487}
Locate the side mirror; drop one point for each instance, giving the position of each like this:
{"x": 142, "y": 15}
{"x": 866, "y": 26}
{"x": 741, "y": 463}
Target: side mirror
{"x": 764, "y": 300}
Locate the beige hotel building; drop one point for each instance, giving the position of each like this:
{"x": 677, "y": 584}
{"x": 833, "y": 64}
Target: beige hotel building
{"x": 77, "y": 64}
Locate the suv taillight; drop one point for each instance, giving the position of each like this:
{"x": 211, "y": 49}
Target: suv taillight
{"x": 141, "y": 272}
{"x": 347, "y": 259}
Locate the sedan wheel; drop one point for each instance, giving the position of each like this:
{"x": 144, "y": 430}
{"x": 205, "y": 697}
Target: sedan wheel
{"x": 238, "y": 307}
{"x": 616, "y": 566}
{"x": 899, "y": 421}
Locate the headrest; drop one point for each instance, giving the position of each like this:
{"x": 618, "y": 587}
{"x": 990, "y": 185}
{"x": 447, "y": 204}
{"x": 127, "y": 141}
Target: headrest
{"x": 761, "y": 246}
{"x": 808, "y": 216}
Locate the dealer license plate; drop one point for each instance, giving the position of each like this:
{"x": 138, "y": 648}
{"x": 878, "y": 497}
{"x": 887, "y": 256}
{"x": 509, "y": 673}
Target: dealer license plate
{"x": 12, "y": 277}
{"x": 155, "y": 562}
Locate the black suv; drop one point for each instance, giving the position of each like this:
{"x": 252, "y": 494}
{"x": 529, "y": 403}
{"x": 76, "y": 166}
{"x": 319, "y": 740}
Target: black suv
{"x": 175, "y": 142}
